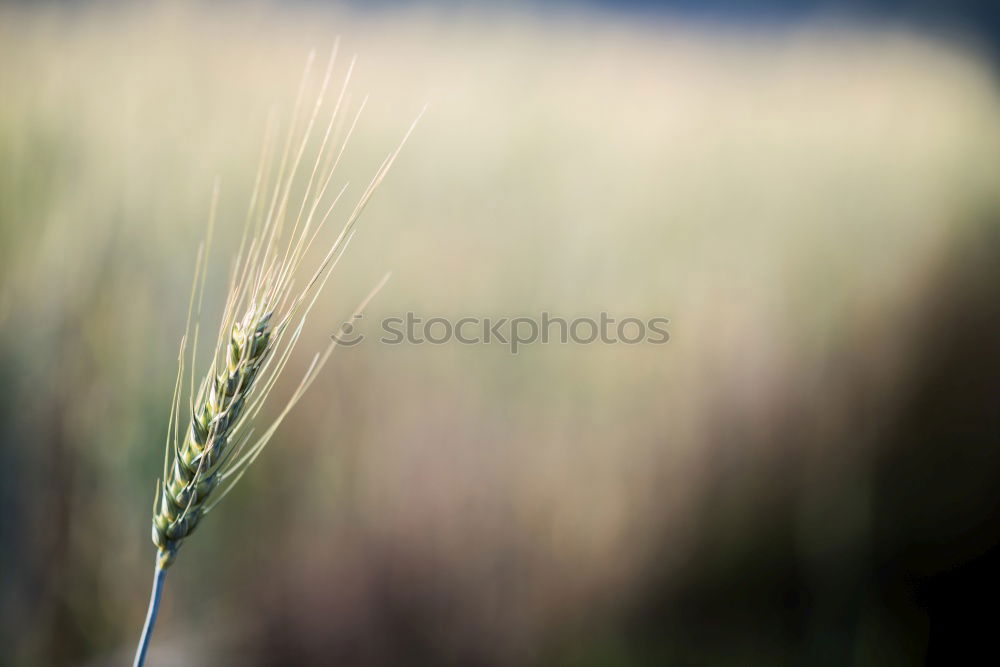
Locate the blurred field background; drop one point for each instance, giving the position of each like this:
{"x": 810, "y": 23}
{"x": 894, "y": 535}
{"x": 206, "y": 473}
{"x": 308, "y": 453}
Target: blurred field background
{"x": 806, "y": 474}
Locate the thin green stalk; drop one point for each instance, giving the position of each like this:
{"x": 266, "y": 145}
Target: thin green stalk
{"x": 159, "y": 574}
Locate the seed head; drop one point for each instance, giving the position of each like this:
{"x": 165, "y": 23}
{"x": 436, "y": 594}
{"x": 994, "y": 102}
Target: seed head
{"x": 262, "y": 320}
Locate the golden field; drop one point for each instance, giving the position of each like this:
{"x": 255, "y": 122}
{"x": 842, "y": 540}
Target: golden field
{"x": 808, "y": 206}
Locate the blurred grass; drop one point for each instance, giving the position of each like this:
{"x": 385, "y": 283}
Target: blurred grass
{"x": 786, "y": 198}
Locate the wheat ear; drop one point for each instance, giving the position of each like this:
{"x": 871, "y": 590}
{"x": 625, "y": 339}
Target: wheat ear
{"x": 262, "y": 321}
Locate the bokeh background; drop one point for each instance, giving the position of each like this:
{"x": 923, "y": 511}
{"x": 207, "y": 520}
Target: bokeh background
{"x": 807, "y": 473}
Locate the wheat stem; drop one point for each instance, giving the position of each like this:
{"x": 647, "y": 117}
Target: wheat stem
{"x": 159, "y": 574}
{"x": 209, "y": 448}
